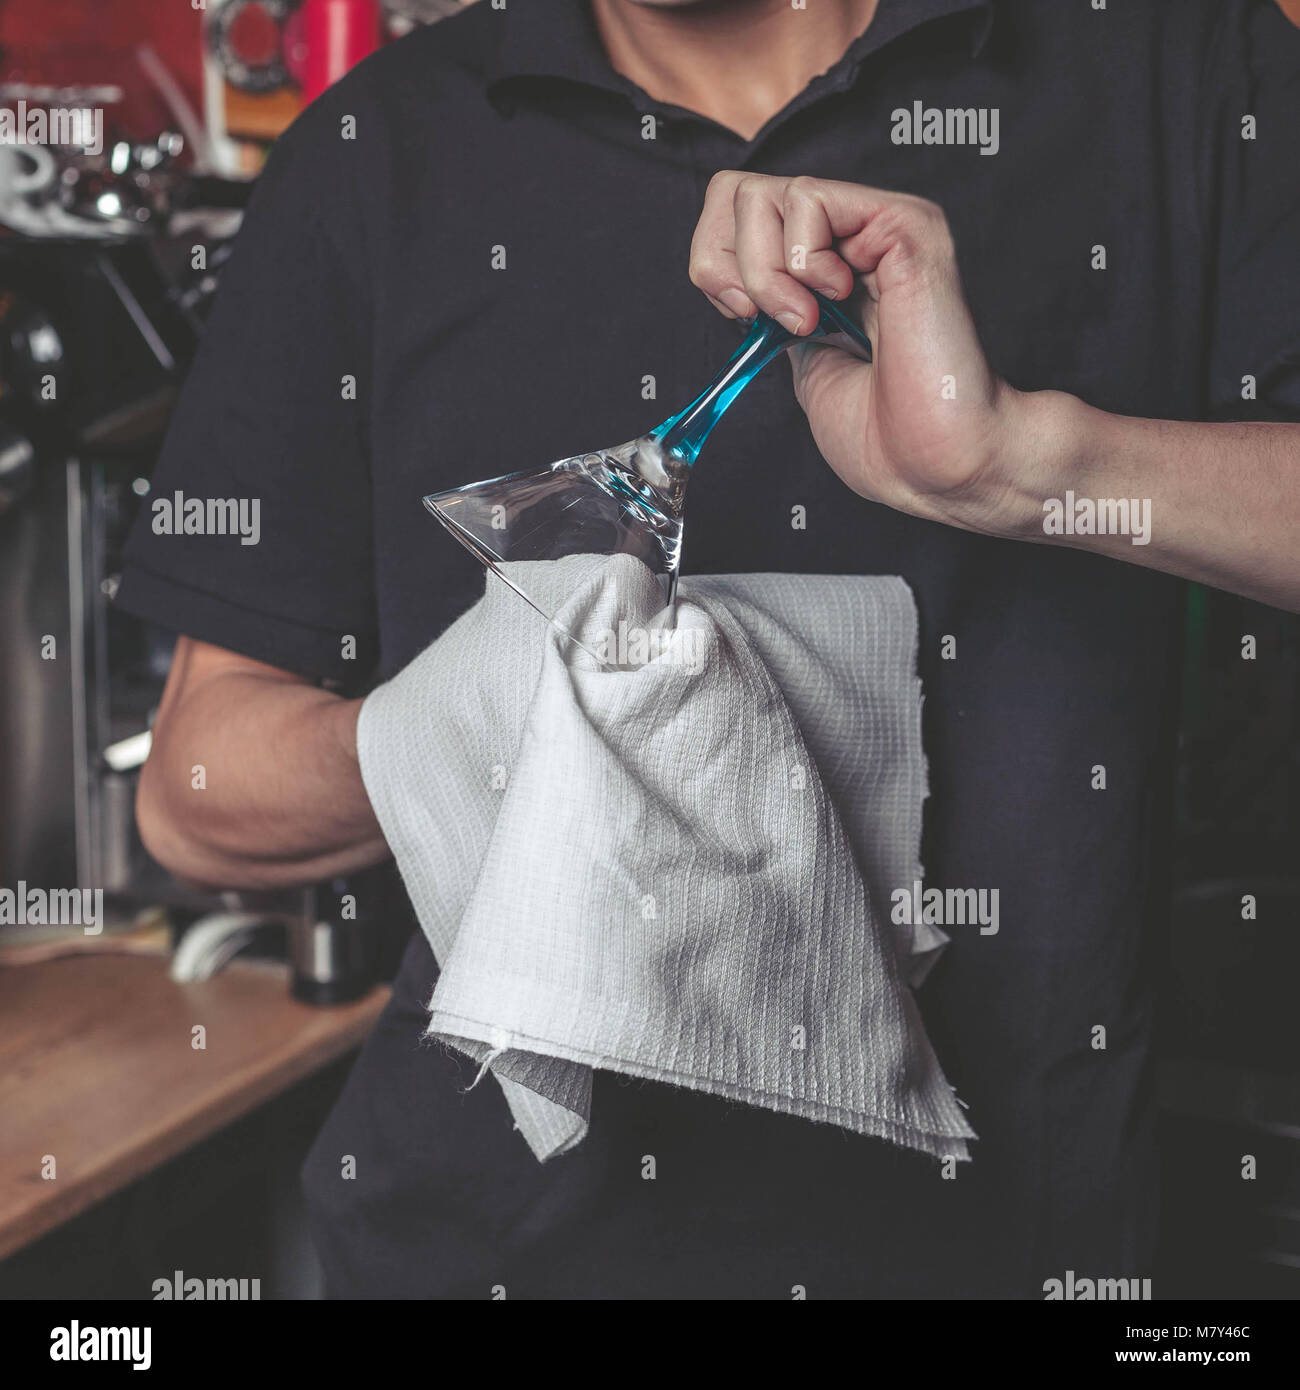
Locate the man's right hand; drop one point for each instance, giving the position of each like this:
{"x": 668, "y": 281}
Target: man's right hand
{"x": 928, "y": 427}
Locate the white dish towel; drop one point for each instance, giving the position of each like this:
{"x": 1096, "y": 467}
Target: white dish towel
{"x": 662, "y": 869}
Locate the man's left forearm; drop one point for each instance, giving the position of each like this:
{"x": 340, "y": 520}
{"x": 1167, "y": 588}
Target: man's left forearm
{"x": 930, "y": 429}
{"x": 1217, "y": 503}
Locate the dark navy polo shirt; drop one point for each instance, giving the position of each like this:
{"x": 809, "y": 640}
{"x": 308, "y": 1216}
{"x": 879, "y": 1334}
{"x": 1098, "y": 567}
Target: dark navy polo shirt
{"x": 469, "y": 257}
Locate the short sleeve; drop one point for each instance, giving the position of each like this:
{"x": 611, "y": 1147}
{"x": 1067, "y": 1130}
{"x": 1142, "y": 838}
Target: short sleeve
{"x": 256, "y": 534}
{"x": 1252, "y": 189}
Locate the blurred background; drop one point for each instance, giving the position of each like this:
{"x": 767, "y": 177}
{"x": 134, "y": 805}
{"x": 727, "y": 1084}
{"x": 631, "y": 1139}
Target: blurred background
{"x": 130, "y": 1152}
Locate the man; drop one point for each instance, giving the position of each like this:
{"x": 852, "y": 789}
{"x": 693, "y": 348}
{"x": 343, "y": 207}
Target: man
{"x": 471, "y": 257}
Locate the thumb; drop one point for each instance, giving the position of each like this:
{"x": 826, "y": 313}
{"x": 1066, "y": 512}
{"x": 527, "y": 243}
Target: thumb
{"x": 821, "y": 370}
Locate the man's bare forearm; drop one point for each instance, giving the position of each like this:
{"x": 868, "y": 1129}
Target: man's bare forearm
{"x": 1220, "y": 502}
{"x": 253, "y": 781}
{"x": 929, "y": 428}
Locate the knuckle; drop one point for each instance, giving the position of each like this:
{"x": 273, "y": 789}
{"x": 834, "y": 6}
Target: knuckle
{"x": 897, "y": 223}
{"x": 918, "y": 226}
{"x": 934, "y": 218}
{"x": 765, "y": 283}
{"x": 703, "y": 272}
{"x": 800, "y": 192}
{"x": 816, "y": 268}
{"x": 721, "y": 186}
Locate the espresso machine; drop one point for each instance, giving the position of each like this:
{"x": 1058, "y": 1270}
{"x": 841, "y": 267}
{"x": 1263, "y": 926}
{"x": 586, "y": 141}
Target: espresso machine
{"x": 107, "y": 266}
{"x": 92, "y": 344}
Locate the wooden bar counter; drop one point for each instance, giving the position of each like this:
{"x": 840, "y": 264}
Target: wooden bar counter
{"x": 99, "y": 1070}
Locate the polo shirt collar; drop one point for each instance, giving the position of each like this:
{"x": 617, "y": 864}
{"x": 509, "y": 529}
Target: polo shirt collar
{"x": 558, "y": 39}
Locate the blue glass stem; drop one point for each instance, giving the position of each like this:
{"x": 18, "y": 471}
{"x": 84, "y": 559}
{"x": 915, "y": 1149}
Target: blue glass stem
{"x": 683, "y": 434}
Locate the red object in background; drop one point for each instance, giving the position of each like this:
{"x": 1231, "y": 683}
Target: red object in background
{"x": 94, "y": 41}
{"x": 255, "y": 35}
{"x": 327, "y": 37}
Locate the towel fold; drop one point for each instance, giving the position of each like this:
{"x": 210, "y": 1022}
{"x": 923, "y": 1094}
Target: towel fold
{"x": 675, "y": 863}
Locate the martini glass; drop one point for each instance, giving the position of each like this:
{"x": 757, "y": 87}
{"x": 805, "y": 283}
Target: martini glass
{"x": 624, "y": 500}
